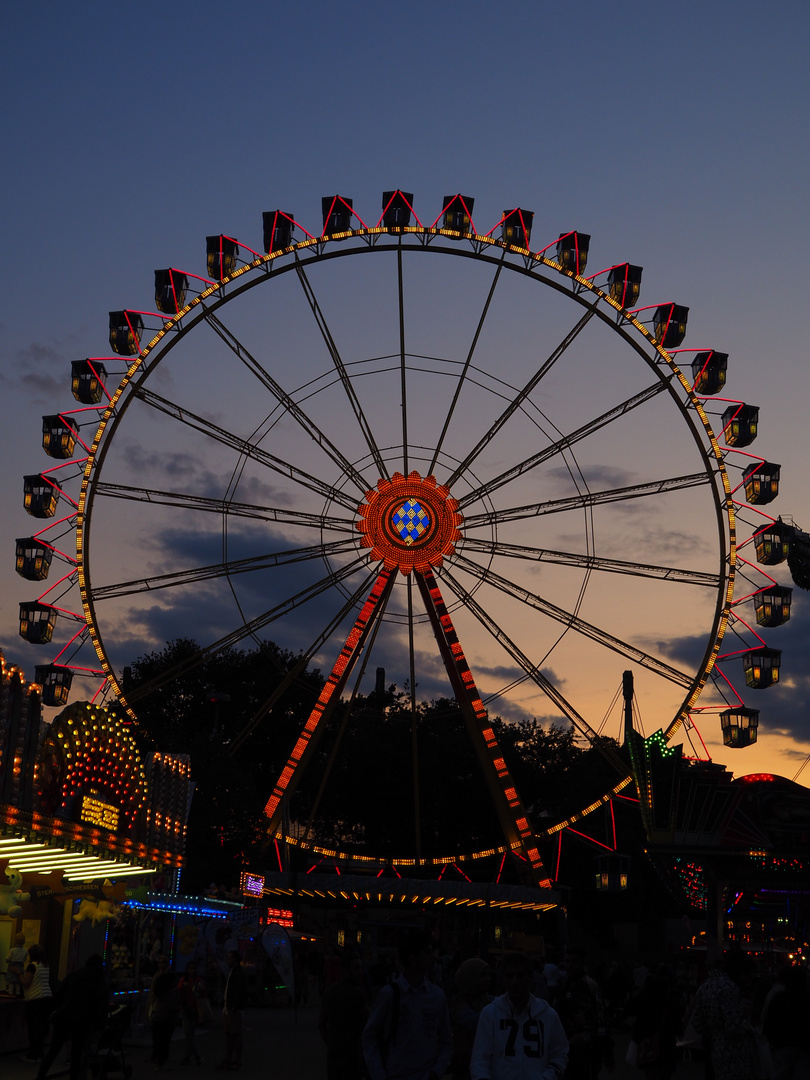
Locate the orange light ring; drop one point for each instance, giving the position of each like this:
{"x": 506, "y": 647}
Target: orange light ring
{"x": 379, "y": 533}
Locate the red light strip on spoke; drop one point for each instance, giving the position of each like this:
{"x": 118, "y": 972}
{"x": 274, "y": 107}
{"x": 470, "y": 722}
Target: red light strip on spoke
{"x": 67, "y": 646}
{"x": 333, "y": 686}
{"x": 461, "y": 679}
{"x": 53, "y": 524}
{"x": 696, "y": 729}
{"x": 756, "y": 592}
{"x": 70, "y": 573}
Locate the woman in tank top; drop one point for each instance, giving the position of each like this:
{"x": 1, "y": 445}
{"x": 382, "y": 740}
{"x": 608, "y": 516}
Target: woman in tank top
{"x": 36, "y": 984}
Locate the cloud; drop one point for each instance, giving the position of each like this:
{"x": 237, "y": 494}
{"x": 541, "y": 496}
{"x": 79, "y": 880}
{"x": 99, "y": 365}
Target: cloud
{"x": 187, "y": 473}
{"x": 598, "y": 477}
{"x": 42, "y": 371}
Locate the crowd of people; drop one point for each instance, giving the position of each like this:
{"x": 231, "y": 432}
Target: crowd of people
{"x": 430, "y": 1016}
{"x": 555, "y": 1021}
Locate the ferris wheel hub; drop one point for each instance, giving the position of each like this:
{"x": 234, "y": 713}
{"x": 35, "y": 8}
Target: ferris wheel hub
{"x": 409, "y": 522}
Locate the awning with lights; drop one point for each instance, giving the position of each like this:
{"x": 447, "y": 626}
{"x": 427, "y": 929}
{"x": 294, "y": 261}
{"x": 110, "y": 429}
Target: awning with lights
{"x": 80, "y": 854}
{"x": 343, "y": 887}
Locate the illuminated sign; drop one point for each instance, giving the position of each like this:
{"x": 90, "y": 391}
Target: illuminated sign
{"x": 279, "y": 916}
{"x": 95, "y": 812}
{"x": 251, "y": 884}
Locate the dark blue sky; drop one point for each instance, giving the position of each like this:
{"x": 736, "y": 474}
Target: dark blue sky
{"x": 675, "y": 134}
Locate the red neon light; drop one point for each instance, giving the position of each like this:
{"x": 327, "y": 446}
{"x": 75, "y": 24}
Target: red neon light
{"x": 387, "y": 205}
{"x": 238, "y": 244}
{"x": 559, "y": 855}
{"x": 52, "y": 525}
{"x": 67, "y": 646}
{"x": 64, "y": 465}
{"x": 739, "y": 652}
{"x": 450, "y": 206}
{"x": 702, "y": 743}
{"x": 613, "y": 821}
{"x": 504, "y": 216}
{"x": 56, "y": 583}
{"x": 63, "y": 611}
{"x": 584, "y": 836}
{"x": 539, "y": 254}
{"x": 747, "y": 596}
{"x": 100, "y": 381}
{"x": 500, "y": 868}
{"x": 339, "y": 198}
{"x": 731, "y": 688}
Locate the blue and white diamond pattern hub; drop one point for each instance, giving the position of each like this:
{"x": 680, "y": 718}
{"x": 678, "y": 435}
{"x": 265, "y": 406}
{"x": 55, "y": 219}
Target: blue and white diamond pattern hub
{"x": 411, "y": 521}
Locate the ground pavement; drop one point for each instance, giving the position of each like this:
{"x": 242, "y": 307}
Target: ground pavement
{"x": 279, "y": 1044}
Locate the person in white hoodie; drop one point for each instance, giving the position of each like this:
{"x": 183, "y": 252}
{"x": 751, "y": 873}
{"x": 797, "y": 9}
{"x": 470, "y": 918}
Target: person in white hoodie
{"x": 519, "y": 1036}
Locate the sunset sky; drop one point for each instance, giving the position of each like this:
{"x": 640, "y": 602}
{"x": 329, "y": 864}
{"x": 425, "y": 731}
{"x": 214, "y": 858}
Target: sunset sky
{"x": 675, "y": 135}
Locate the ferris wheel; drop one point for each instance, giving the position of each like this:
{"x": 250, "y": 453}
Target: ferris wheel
{"x": 422, "y": 448}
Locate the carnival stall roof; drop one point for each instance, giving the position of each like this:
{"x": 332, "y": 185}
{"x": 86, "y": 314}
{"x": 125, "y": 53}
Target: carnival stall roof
{"x": 327, "y": 887}
{"x": 76, "y": 798}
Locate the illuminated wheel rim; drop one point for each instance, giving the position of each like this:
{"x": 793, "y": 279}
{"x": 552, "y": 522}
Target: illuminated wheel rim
{"x": 462, "y": 528}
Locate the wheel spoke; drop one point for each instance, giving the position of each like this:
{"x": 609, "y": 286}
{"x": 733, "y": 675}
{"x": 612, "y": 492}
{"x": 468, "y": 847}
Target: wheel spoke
{"x": 340, "y": 367}
{"x": 588, "y": 562}
{"x": 375, "y": 622}
{"x": 216, "y": 570}
{"x": 185, "y": 416}
{"x": 534, "y": 672}
{"x": 328, "y": 698}
{"x": 417, "y": 812}
{"x": 514, "y": 819}
{"x": 402, "y": 369}
{"x": 568, "y": 619}
{"x": 467, "y": 363}
{"x": 521, "y": 396}
{"x": 591, "y": 498}
{"x": 565, "y": 442}
{"x": 301, "y": 663}
{"x": 182, "y": 501}
{"x": 284, "y": 399}
{"x": 249, "y": 628}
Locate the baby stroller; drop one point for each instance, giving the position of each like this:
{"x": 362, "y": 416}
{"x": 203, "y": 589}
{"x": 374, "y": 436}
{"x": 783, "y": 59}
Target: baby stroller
{"x": 109, "y": 1057}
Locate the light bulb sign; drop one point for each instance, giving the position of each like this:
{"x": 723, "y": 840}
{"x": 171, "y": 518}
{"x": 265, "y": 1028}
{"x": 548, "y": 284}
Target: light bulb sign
{"x": 93, "y": 811}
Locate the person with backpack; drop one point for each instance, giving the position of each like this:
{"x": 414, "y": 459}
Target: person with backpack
{"x": 408, "y": 1034}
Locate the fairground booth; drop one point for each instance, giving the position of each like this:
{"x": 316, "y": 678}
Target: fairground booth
{"x": 90, "y": 833}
